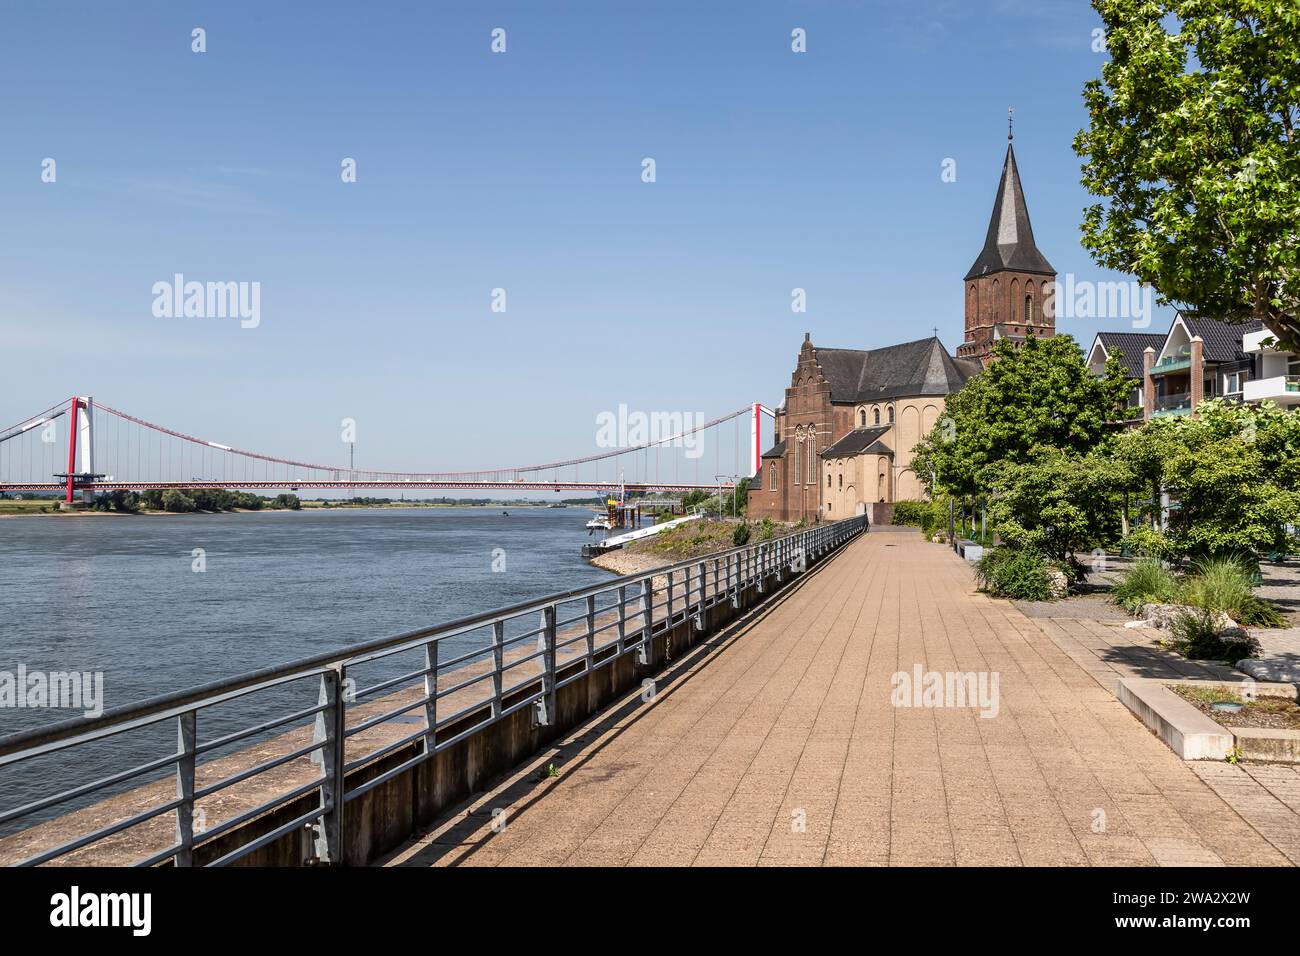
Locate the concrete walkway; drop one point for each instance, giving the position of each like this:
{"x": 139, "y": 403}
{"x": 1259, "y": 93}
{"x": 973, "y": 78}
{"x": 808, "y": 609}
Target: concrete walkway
{"x": 778, "y": 743}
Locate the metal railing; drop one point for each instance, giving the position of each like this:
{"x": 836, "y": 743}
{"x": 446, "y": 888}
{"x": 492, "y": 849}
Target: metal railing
{"x": 1179, "y": 359}
{"x": 469, "y": 674}
{"x": 1178, "y": 401}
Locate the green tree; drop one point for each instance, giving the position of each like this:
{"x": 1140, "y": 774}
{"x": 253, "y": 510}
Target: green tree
{"x": 173, "y": 500}
{"x": 1059, "y": 503}
{"x": 1233, "y": 474}
{"x": 1037, "y": 395}
{"x": 1192, "y": 146}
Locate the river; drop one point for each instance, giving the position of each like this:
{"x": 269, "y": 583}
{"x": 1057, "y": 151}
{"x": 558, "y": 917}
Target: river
{"x": 120, "y": 594}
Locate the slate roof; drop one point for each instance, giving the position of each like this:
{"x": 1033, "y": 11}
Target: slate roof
{"x": 1009, "y": 244}
{"x": 1222, "y": 339}
{"x": 1129, "y": 346}
{"x": 858, "y": 441}
{"x": 923, "y": 367}
{"x": 776, "y": 451}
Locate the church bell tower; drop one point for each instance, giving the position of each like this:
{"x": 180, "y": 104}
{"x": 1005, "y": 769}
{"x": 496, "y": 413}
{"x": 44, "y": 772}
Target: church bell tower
{"x": 1009, "y": 288}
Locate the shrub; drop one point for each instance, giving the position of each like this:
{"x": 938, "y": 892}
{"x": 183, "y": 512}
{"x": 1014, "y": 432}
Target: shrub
{"x": 766, "y": 529}
{"x": 1014, "y": 573}
{"x": 1147, "y": 542}
{"x": 1196, "y": 637}
{"x": 1218, "y": 584}
{"x": 1147, "y": 582}
{"x": 1227, "y": 584}
{"x": 909, "y": 512}
{"x": 1257, "y": 612}
{"x": 740, "y": 535}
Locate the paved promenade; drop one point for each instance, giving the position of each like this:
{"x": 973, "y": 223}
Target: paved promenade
{"x": 777, "y": 743}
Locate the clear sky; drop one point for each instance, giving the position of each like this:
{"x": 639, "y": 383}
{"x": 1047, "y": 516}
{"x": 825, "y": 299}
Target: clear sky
{"x": 520, "y": 171}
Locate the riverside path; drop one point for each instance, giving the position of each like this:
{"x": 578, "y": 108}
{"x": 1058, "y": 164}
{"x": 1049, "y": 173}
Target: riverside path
{"x": 779, "y": 742}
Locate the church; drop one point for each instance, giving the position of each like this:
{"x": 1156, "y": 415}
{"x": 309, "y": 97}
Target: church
{"x": 851, "y": 417}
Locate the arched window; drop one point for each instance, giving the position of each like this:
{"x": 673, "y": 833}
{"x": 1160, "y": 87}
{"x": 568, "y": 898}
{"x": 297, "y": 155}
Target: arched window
{"x": 877, "y": 410}
{"x": 828, "y": 479}
{"x": 812, "y": 458}
{"x": 841, "y": 479}
{"x": 1029, "y": 310}
{"x": 891, "y": 414}
{"x": 771, "y": 476}
{"x": 862, "y": 418}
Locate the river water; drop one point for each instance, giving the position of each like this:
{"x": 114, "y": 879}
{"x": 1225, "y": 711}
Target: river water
{"x": 119, "y": 594}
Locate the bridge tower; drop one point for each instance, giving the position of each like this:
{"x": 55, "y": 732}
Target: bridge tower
{"x": 756, "y": 437}
{"x": 81, "y": 419}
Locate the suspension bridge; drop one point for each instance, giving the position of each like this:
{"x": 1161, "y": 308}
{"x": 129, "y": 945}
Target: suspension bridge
{"x": 80, "y": 447}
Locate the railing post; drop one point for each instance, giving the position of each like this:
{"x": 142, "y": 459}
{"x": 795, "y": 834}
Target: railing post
{"x": 670, "y": 597}
{"x": 733, "y": 578}
{"x": 498, "y": 662}
{"x": 545, "y": 707}
{"x": 647, "y": 612}
{"x": 186, "y": 741}
{"x": 431, "y": 697}
{"x": 330, "y": 735}
{"x": 591, "y": 628}
{"x": 622, "y": 617}
{"x": 702, "y": 577}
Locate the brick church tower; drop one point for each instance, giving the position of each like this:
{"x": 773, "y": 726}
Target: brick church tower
{"x": 1009, "y": 288}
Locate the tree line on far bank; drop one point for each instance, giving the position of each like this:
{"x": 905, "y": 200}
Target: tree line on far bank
{"x": 199, "y": 499}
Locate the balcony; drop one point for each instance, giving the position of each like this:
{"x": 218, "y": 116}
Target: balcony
{"x": 1179, "y": 403}
{"x": 1181, "y": 359}
{"x": 1253, "y": 342}
{"x": 1283, "y": 389}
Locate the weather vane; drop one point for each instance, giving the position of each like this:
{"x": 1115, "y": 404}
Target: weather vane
{"x": 1010, "y": 111}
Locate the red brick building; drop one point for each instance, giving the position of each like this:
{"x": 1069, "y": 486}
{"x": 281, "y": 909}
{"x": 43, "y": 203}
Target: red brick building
{"x": 845, "y": 432}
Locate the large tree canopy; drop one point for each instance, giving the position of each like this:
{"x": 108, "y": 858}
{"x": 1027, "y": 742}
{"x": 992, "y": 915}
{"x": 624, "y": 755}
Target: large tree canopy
{"x": 1038, "y": 395}
{"x": 1194, "y": 146}
{"x": 1233, "y": 471}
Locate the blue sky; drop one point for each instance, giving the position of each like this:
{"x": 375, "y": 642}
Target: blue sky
{"x": 520, "y": 171}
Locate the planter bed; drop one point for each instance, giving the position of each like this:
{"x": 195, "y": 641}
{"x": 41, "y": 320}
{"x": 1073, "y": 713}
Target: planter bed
{"x": 1264, "y": 731}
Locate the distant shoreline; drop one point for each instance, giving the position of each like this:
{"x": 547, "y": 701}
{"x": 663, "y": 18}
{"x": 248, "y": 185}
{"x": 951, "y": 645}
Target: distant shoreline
{"x": 40, "y": 505}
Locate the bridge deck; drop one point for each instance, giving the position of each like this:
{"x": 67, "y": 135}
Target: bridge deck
{"x": 790, "y": 721}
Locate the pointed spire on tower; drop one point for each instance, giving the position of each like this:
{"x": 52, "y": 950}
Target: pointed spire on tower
{"x": 1009, "y": 244}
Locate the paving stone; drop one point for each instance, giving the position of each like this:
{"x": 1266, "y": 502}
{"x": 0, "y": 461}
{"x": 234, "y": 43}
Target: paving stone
{"x": 795, "y": 713}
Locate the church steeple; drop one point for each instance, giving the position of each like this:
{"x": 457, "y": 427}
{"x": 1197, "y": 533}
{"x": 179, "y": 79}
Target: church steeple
{"x": 1009, "y": 243}
{"x": 1009, "y": 286}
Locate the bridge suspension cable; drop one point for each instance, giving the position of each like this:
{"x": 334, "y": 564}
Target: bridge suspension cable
{"x": 108, "y": 448}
